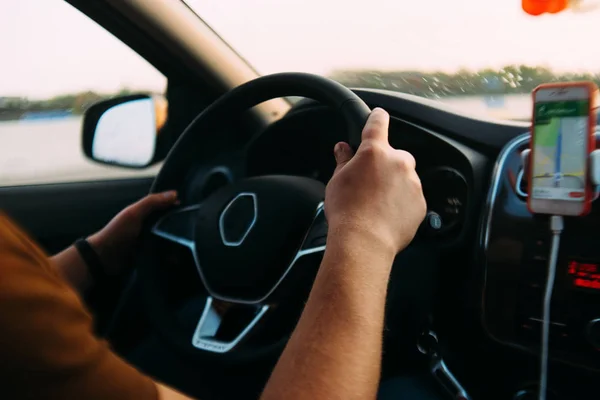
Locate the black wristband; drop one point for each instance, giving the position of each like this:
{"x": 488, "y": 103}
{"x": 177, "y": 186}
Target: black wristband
{"x": 92, "y": 260}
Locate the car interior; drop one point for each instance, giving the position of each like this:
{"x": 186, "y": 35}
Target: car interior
{"x": 209, "y": 316}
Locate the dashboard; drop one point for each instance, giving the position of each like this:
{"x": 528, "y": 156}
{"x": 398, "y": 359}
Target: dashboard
{"x": 302, "y": 144}
{"x": 515, "y": 248}
{"x": 476, "y": 279}
{"x": 482, "y": 264}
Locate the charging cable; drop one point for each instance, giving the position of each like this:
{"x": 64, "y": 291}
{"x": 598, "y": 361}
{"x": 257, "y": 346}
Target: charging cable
{"x": 556, "y": 227}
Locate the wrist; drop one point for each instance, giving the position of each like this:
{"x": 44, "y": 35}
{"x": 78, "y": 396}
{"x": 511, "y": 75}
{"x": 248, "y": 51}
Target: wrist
{"x": 88, "y": 249}
{"x": 97, "y": 244}
{"x": 361, "y": 247}
{"x": 366, "y": 240}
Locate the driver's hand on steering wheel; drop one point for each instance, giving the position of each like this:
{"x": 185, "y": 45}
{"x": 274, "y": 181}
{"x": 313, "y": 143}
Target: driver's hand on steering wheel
{"x": 374, "y": 205}
{"x": 376, "y": 193}
{"x": 114, "y": 243}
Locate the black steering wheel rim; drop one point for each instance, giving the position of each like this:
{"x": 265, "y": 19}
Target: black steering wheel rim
{"x": 172, "y": 176}
{"x": 326, "y": 91}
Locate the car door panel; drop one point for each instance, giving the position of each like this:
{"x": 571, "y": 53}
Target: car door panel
{"x": 57, "y": 214}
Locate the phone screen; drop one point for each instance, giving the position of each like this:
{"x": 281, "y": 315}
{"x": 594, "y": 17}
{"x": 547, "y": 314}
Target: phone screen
{"x": 560, "y": 150}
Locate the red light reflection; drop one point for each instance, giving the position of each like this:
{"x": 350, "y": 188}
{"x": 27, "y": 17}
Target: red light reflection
{"x": 585, "y": 275}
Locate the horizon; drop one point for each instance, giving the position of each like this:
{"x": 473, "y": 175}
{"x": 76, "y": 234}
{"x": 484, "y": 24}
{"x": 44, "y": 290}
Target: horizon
{"x": 358, "y": 70}
{"x": 422, "y": 71}
{"x": 82, "y": 91}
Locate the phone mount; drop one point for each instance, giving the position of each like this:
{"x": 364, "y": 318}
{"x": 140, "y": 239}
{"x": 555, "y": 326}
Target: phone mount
{"x": 594, "y": 166}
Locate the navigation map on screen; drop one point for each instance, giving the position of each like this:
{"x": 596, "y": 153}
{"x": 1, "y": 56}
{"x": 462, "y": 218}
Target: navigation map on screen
{"x": 560, "y": 150}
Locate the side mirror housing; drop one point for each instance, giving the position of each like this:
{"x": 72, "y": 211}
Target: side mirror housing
{"x": 124, "y": 131}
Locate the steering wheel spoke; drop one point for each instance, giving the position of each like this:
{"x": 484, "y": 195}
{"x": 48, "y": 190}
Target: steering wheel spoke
{"x": 316, "y": 237}
{"x": 178, "y": 226}
{"x": 208, "y": 336}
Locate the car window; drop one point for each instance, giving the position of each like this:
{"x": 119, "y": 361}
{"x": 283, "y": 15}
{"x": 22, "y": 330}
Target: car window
{"x": 56, "y": 62}
{"x": 480, "y": 57}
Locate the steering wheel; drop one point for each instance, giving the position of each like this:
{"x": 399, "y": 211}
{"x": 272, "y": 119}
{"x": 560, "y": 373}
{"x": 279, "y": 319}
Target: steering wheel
{"x": 256, "y": 243}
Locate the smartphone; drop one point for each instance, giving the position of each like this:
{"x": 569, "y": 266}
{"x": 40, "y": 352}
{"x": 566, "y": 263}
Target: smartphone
{"x": 562, "y": 138}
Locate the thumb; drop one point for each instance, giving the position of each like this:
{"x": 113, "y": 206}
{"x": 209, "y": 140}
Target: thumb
{"x": 343, "y": 153}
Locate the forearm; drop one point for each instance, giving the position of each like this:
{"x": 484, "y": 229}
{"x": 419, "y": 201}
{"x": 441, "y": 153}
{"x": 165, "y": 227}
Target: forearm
{"x": 335, "y": 351}
{"x": 69, "y": 264}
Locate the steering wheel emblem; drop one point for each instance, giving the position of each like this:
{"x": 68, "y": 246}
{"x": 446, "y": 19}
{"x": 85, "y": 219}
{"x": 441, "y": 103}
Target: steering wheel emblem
{"x": 238, "y": 219}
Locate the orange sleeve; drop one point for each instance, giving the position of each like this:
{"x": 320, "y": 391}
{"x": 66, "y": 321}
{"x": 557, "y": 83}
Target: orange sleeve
{"x": 47, "y": 346}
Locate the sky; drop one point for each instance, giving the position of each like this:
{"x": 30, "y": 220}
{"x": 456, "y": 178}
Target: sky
{"x": 49, "y": 48}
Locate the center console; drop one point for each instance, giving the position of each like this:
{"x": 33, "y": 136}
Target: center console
{"x": 515, "y": 248}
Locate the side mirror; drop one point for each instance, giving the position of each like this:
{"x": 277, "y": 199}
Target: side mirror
{"x": 124, "y": 131}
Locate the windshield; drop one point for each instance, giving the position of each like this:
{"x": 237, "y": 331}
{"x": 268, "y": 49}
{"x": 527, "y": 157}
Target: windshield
{"x": 480, "y": 56}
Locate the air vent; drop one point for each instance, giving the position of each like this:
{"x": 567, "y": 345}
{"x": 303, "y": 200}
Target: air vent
{"x": 521, "y": 186}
